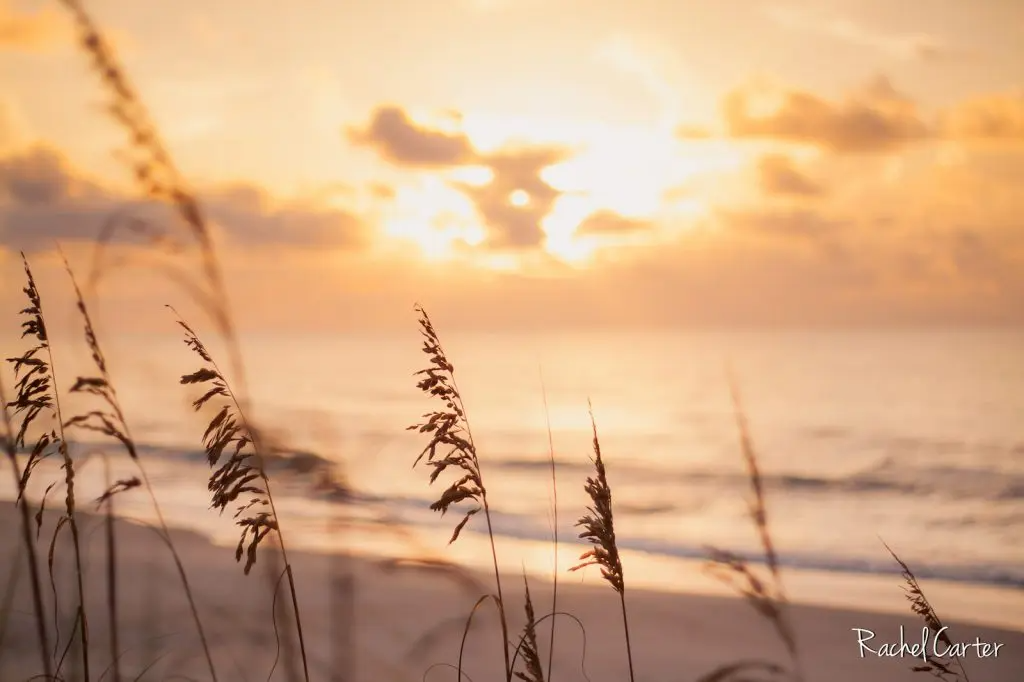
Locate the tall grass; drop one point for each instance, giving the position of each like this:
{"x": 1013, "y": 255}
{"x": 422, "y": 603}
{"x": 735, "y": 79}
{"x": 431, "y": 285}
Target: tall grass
{"x": 108, "y": 420}
{"x": 599, "y": 530}
{"x": 451, "y": 446}
{"x": 531, "y": 654}
{"x": 158, "y": 178}
{"x": 8, "y": 443}
{"x": 236, "y": 456}
{"x": 940, "y": 667}
{"x": 554, "y": 522}
{"x": 37, "y": 397}
{"x": 767, "y": 597}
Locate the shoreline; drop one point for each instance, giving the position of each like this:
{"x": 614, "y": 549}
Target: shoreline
{"x": 401, "y": 620}
{"x": 979, "y": 603}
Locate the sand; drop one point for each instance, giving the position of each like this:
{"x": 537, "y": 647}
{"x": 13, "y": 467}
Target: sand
{"x": 364, "y": 621}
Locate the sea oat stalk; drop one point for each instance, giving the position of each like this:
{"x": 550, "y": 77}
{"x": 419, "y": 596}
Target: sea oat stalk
{"x": 152, "y": 166}
{"x": 234, "y": 452}
{"x": 599, "y": 530}
{"x": 109, "y": 420}
{"x": 451, "y": 446}
{"x": 7, "y": 444}
{"x": 36, "y": 395}
{"x": 940, "y": 667}
{"x": 531, "y": 655}
{"x": 554, "y": 522}
{"x": 768, "y": 598}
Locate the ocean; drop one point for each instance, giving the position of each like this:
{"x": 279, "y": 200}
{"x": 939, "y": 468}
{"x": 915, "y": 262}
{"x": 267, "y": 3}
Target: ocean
{"x": 911, "y": 437}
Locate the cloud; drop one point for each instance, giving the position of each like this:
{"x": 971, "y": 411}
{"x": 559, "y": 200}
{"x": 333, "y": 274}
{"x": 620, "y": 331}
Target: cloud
{"x": 30, "y": 31}
{"x": 778, "y": 176}
{"x": 998, "y": 116}
{"x": 607, "y": 222}
{"x": 41, "y": 175}
{"x": 250, "y": 217}
{"x": 511, "y": 224}
{"x": 943, "y": 246}
{"x": 792, "y": 225}
{"x": 875, "y": 119}
{"x": 43, "y": 199}
{"x": 905, "y": 46}
{"x": 514, "y": 170}
{"x": 400, "y": 140}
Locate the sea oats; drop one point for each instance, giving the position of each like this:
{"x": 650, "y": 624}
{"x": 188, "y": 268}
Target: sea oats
{"x": 34, "y": 389}
{"x": 152, "y": 165}
{"x": 768, "y": 598}
{"x": 109, "y": 420}
{"x": 939, "y": 666}
{"x": 734, "y": 571}
{"x": 231, "y": 451}
{"x": 35, "y": 397}
{"x": 554, "y": 523}
{"x": 599, "y": 530}
{"x": 159, "y": 179}
{"x": 9, "y": 447}
{"x": 599, "y": 524}
{"x": 239, "y": 476}
{"x": 451, "y": 446}
{"x": 531, "y": 654}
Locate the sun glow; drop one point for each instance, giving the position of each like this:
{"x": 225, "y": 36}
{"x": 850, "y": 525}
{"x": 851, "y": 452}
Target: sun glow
{"x": 629, "y": 170}
{"x": 434, "y": 217}
{"x": 625, "y": 170}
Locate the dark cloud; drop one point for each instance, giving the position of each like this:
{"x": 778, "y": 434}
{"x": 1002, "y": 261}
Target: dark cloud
{"x": 42, "y": 176}
{"x": 877, "y": 119}
{"x": 517, "y": 169}
{"x": 609, "y": 222}
{"x": 778, "y": 176}
{"x": 398, "y": 139}
{"x": 250, "y": 217}
{"x": 44, "y": 200}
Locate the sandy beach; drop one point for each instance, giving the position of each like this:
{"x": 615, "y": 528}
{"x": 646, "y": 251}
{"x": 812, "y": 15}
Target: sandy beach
{"x": 366, "y": 621}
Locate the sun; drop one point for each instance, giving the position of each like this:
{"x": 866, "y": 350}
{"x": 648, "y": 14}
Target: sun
{"x": 519, "y": 198}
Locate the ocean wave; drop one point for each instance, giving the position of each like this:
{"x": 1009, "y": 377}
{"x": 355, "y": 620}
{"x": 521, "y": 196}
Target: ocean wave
{"x": 522, "y": 527}
{"x": 889, "y": 476}
{"x": 885, "y": 477}
{"x": 952, "y": 482}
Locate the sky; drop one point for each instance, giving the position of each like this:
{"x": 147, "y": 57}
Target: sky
{"x": 537, "y": 164}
